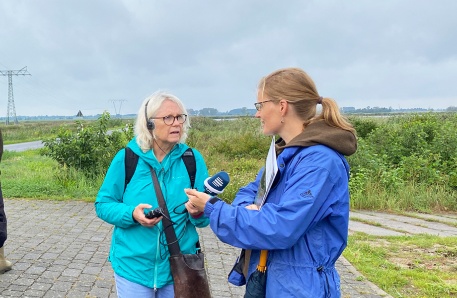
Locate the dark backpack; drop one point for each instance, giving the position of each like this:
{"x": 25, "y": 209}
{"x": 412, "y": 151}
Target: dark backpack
{"x": 131, "y": 160}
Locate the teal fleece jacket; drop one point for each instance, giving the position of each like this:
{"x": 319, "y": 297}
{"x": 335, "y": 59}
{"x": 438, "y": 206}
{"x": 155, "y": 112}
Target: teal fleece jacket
{"x": 138, "y": 253}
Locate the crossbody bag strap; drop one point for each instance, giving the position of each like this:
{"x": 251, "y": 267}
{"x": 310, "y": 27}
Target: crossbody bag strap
{"x": 173, "y": 245}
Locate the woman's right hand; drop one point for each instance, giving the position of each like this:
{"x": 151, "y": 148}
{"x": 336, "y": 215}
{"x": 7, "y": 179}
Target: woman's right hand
{"x": 140, "y": 217}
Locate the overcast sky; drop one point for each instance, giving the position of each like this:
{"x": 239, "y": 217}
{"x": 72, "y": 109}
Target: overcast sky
{"x": 97, "y": 55}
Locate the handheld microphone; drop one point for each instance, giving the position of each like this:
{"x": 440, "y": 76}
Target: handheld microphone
{"x": 215, "y": 185}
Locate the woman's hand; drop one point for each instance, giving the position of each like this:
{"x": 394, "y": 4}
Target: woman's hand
{"x": 138, "y": 215}
{"x": 192, "y": 209}
{"x": 197, "y": 200}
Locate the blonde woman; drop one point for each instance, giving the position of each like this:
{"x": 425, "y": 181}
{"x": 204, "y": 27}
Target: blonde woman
{"x": 304, "y": 221}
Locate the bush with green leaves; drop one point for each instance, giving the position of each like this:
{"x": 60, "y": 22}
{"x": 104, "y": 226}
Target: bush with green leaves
{"x": 364, "y": 126}
{"x": 90, "y": 148}
{"x": 417, "y": 152}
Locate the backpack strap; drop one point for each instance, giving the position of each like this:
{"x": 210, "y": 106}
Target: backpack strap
{"x": 130, "y": 162}
{"x": 191, "y": 166}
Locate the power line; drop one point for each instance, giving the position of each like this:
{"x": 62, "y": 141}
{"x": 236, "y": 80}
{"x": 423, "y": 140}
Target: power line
{"x": 11, "y": 108}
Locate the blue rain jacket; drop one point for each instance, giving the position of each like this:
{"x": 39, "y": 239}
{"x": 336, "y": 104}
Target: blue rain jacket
{"x": 139, "y": 254}
{"x": 303, "y": 223}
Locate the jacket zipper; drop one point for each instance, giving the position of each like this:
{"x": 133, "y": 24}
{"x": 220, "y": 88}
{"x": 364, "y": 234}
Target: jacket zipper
{"x": 157, "y": 257}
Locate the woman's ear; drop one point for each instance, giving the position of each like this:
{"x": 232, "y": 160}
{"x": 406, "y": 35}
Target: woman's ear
{"x": 283, "y": 106}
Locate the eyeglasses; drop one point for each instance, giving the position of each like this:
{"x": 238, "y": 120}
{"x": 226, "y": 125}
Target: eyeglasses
{"x": 259, "y": 105}
{"x": 169, "y": 120}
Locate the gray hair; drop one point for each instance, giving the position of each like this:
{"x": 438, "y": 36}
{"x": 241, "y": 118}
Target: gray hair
{"x": 144, "y": 137}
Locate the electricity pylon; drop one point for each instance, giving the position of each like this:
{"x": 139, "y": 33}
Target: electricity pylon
{"x": 118, "y": 114}
{"x": 10, "y": 73}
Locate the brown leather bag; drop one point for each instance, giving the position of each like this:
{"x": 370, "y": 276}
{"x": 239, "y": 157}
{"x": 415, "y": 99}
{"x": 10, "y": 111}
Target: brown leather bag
{"x": 189, "y": 276}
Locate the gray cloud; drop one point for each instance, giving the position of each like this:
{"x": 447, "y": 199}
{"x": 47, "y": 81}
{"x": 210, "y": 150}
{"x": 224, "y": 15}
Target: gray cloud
{"x": 82, "y": 54}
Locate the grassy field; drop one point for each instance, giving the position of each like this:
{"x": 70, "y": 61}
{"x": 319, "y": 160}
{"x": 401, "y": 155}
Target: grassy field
{"x": 407, "y": 266}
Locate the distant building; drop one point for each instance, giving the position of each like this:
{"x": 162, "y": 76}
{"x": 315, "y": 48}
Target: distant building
{"x": 79, "y": 114}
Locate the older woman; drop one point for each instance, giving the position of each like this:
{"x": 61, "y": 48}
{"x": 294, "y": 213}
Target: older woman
{"x": 139, "y": 253}
{"x": 304, "y": 221}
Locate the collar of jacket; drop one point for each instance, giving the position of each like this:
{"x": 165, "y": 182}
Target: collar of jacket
{"x": 151, "y": 159}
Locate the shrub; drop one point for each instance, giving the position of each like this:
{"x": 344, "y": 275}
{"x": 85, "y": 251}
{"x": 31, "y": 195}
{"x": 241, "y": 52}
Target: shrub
{"x": 89, "y": 149}
{"x": 364, "y": 126}
{"x": 418, "y": 150}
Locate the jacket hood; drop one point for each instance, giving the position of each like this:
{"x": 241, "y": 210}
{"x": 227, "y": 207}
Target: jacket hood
{"x": 320, "y": 133}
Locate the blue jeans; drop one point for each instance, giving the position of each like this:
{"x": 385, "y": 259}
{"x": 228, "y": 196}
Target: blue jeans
{"x": 128, "y": 289}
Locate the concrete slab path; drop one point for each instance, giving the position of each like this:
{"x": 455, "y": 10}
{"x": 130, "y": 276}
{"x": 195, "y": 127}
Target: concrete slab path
{"x": 60, "y": 249}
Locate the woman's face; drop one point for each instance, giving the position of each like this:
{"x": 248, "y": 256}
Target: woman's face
{"x": 168, "y": 134}
{"x": 269, "y": 114}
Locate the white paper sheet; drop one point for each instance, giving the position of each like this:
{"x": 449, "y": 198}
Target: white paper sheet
{"x": 271, "y": 168}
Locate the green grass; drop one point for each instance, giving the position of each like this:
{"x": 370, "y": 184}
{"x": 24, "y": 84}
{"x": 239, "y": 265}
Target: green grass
{"x": 29, "y": 175}
{"x": 407, "y": 266}
{"x": 409, "y": 196}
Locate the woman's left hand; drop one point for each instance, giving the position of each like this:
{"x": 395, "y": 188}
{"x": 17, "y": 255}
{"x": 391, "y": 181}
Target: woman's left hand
{"x": 192, "y": 209}
{"x": 197, "y": 200}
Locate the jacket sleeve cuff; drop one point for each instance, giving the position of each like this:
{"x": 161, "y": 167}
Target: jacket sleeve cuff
{"x": 197, "y": 215}
{"x": 209, "y": 206}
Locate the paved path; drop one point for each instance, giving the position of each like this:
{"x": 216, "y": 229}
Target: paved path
{"x": 23, "y": 146}
{"x": 59, "y": 249}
